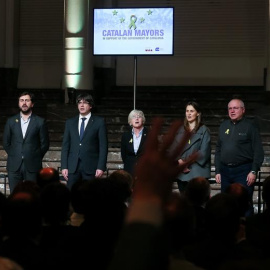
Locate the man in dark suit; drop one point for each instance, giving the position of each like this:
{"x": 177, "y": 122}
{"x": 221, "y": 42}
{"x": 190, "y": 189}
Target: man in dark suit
{"x": 26, "y": 140}
{"x": 85, "y": 144}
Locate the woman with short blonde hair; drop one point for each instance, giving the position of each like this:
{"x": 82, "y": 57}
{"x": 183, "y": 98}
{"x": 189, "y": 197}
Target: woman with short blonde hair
{"x": 133, "y": 140}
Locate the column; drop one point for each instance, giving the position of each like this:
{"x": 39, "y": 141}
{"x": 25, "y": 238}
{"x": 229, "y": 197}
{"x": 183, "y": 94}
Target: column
{"x": 78, "y": 59}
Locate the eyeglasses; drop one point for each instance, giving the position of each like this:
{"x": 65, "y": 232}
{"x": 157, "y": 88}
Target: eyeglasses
{"x": 234, "y": 108}
{"x": 136, "y": 116}
{"x": 83, "y": 102}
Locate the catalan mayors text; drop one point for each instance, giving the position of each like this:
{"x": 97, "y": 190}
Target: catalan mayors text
{"x": 137, "y": 33}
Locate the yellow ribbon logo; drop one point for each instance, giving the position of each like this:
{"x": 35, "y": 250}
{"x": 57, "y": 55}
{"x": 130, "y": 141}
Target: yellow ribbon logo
{"x": 130, "y": 140}
{"x": 133, "y": 19}
{"x": 227, "y": 131}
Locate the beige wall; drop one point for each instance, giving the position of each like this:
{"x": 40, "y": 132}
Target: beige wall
{"x": 231, "y": 50}
{"x": 191, "y": 71}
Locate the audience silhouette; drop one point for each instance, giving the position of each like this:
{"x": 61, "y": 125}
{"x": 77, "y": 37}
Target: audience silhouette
{"x": 46, "y": 176}
{"x": 198, "y": 192}
{"x": 257, "y": 226}
{"x": 21, "y": 226}
{"x": 104, "y": 211}
{"x": 241, "y": 194}
{"x": 122, "y": 182}
{"x": 58, "y": 240}
{"x": 118, "y": 223}
{"x": 77, "y": 204}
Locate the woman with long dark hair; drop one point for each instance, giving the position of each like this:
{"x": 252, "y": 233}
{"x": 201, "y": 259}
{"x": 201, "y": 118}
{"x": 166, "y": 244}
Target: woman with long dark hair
{"x": 200, "y": 142}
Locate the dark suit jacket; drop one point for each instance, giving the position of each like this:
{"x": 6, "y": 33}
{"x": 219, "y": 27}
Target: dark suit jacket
{"x": 92, "y": 150}
{"x": 199, "y": 142}
{"x": 127, "y": 151}
{"x": 32, "y": 147}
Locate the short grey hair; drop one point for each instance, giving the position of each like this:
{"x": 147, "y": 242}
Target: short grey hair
{"x": 242, "y": 104}
{"x": 134, "y": 113}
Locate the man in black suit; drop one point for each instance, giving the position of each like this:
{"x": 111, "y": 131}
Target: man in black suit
{"x": 85, "y": 144}
{"x": 26, "y": 141}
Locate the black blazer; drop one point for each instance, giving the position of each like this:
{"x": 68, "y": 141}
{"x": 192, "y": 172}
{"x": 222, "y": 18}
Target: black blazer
{"x": 92, "y": 150}
{"x": 32, "y": 147}
{"x": 127, "y": 150}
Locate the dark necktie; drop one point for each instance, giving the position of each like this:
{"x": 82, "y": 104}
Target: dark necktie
{"x": 82, "y": 128}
